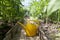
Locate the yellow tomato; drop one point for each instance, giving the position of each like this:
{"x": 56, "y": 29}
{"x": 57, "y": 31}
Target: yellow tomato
{"x": 30, "y": 28}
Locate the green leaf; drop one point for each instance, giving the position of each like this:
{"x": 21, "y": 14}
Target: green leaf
{"x": 53, "y": 6}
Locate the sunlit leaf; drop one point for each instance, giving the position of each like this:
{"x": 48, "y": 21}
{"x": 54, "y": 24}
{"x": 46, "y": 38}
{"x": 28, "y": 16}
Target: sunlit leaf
{"x": 53, "y": 6}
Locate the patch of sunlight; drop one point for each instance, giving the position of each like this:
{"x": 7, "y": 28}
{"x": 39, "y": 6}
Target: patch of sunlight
{"x": 57, "y": 39}
{"x": 8, "y": 7}
{"x": 58, "y": 34}
{"x": 58, "y": 28}
{"x": 32, "y": 18}
{"x": 0, "y": 17}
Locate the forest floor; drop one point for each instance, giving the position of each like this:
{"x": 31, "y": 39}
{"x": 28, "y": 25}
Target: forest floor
{"x": 47, "y": 32}
{"x": 52, "y": 32}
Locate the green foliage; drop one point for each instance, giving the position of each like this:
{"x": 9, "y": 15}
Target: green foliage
{"x": 53, "y": 6}
{"x": 11, "y": 10}
{"x": 46, "y": 8}
{"x": 37, "y": 7}
{"x": 53, "y": 10}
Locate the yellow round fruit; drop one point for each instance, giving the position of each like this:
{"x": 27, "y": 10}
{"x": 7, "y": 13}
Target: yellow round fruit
{"x": 31, "y": 29}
